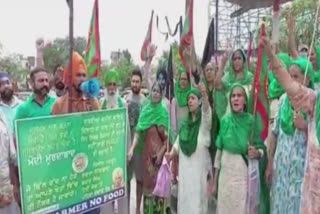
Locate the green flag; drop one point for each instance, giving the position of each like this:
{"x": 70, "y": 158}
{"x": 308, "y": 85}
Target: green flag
{"x": 92, "y": 52}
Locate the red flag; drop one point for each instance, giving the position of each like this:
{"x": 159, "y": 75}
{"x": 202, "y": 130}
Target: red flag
{"x": 147, "y": 41}
{"x": 260, "y": 91}
{"x": 92, "y": 52}
{"x": 186, "y": 42}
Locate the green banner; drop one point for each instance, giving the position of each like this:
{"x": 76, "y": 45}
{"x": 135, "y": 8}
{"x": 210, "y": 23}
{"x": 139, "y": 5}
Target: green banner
{"x": 72, "y": 163}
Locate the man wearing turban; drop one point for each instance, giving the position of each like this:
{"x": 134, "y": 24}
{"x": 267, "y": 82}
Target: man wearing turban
{"x": 79, "y": 102}
{"x": 112, "y": 100}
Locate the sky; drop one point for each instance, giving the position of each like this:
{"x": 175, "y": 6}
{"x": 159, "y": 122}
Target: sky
{"x": 123, "y": 23}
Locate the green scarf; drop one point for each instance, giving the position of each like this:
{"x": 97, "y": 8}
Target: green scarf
{"x": 235, "y": 132}
{"x": 286, "y": 111}
{"x": 217, "y": 99}
{"x": 188, "y": 138}
{"x": 234, "y": 137}
{"x": 230, "y": 77}
{"x": 303, "y": 64}
{"x": 235, "y": 129}
{"x": 286, "y": 117}
{"x": 181, "y": 94}
{"x": 153, "y": 114}
{"x": 275, "y": 89}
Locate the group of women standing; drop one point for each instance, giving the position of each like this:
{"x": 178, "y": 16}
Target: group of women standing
{"x": 210, "y": 138}
{"x": 209, "y": 135}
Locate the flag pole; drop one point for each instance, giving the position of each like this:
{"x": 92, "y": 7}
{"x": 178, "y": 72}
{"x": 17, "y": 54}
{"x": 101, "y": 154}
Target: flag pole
{"x": 276, "y": 24}
{"x": 70, "y": 57}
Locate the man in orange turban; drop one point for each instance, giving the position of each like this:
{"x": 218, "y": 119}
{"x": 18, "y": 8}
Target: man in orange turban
{"x": 80, "y": 102}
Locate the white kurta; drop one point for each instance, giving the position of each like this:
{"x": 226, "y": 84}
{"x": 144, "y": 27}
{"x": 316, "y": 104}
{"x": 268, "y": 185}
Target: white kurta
{"x": 233, "y": 179}
{"x": 193, "y": 172}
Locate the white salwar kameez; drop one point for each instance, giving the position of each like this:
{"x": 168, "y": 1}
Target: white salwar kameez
{"x": 194, "y": 170}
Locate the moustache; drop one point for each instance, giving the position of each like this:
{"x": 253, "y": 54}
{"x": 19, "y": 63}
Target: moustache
{"x": 46, "y": 88}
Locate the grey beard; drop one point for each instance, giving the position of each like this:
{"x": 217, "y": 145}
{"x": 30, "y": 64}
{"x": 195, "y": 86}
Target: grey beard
{"x": 112, "y": 100}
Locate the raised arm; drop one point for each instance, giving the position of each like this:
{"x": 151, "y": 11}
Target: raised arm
{"x": 205, "y": 99}
{"x": 206, "y": 116}
{"x": 39, "y": 58}
{"x": 218, "y": 79}
{"x": 301, "y": 97}
{"x": 292, "y": 43}
{"x": 290, "y": 86}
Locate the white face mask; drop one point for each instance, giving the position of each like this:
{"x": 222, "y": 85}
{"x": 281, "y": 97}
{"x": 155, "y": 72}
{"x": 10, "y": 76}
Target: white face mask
{"x": 303, "y": 55}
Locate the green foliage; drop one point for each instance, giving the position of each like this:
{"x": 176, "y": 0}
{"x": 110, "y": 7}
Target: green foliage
{"x": 59, "y": 51}
{"x": 14, "y": 66}
{"x": 305, "y": 12}
{"x": 124, "y": 67}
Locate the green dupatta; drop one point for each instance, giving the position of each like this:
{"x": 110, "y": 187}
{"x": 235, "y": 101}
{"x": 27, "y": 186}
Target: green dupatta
{"x": 275, "y": 90}
{"x": 153, "y": 114}
{"x": 181, "y": 94}
{"x": 218, "y": 100}
{"x": 234, "y": 136}
{"x": 188, "y": 137}
{"x": 230, "y": 77}
{"x": 286, "y": 110}
{"x": 235, "y": 129}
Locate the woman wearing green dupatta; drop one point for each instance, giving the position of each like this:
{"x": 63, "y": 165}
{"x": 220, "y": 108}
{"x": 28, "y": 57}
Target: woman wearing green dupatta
{"x": 236, "y": 72}
{"x": 153, "y": 126}
{"x": 217, "y": 98}
{"x": 192, "y": 146}
{"x": 275, "y": 89}
{"x": 179, "y": 103}
{"x": 232, "y": 157}
{"x": 308, "y": 100}
{"x": 218, "y": 102}
{"x": 290, "y": 134}
{"x": 179, "y": 113}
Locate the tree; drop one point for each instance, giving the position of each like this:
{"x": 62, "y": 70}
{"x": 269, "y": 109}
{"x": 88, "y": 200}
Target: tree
{"x": 58, "y": 52}
{"x": 305, "y": 12}
{"x": 124, "y": 68}
{"x": 13, "y": 65}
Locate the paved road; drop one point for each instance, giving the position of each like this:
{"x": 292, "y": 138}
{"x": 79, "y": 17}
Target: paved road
{"x": 132, "y": 198}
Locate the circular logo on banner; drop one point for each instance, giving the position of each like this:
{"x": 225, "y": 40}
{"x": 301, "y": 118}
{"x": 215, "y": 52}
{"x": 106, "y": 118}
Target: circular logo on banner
{"x": 80, "y": 162}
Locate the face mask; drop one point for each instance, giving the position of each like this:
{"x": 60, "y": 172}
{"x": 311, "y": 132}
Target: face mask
{"x": 303, "y": 55}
